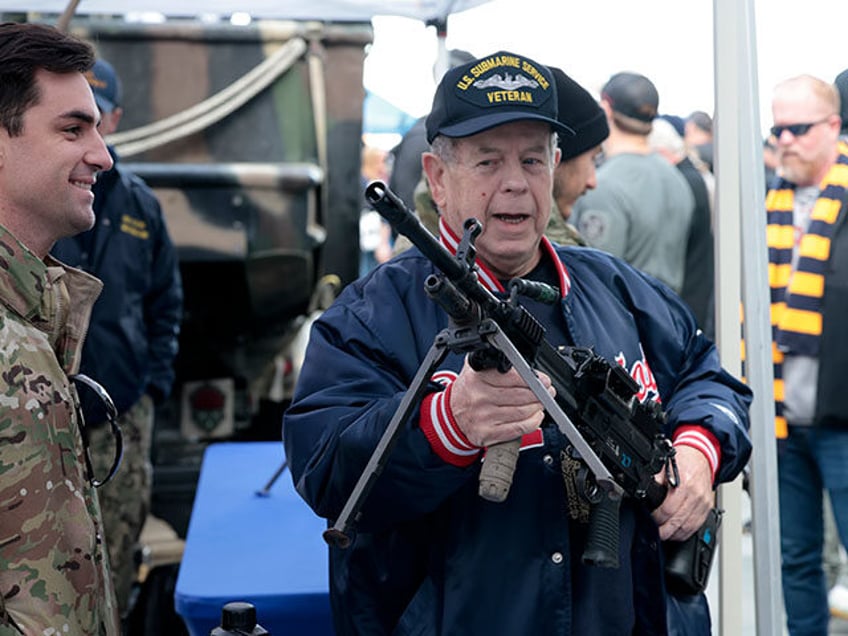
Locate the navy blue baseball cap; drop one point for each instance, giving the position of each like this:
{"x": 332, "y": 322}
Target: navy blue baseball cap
{"x": 490, "y": 91}
{"x": 105, "y": 85}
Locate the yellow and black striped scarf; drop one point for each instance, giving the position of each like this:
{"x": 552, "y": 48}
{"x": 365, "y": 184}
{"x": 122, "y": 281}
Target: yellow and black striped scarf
{"x": 796, "y": 296}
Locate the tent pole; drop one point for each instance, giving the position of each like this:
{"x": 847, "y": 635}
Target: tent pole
{"x": 740, "y": 206}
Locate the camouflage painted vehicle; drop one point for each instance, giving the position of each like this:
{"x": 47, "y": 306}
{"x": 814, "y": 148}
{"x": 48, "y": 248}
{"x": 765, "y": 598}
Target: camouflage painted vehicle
{"x": 250, "y": 137}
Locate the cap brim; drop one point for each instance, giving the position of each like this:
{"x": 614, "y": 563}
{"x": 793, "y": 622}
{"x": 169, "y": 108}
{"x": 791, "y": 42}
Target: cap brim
{"x": 490, "y": 120}
{"x": 103, "y": 104}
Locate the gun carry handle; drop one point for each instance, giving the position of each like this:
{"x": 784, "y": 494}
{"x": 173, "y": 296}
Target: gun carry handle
{"x": 497, "y": 469}
{"x": 602, "y": 540}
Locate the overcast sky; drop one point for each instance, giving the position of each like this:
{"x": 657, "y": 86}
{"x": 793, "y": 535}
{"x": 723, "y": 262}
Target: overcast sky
{"x": 670, "y": 41}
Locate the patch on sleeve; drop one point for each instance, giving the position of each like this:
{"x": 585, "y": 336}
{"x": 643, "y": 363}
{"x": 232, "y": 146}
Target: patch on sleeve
{"x": 593, "y": 225}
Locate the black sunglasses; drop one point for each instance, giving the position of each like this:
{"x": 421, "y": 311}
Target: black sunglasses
{"x": 111, "y": 415}
{"x": 797, "y": 130}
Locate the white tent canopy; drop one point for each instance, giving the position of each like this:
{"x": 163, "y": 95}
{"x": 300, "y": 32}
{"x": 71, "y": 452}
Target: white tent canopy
{"x": 332, "y": 10}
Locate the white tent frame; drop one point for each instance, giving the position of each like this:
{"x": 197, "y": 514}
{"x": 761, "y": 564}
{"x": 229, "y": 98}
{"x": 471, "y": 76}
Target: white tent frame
{"x": 740, "y": 206}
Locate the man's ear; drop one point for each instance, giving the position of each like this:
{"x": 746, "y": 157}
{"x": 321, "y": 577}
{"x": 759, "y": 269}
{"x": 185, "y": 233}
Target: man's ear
{"x": 118, "y": 113}
{"x": 109, "y": 121}
{"x": 434, "y": 169}
{"x": 4, "y": 139}
{"x": 607, "y": 108}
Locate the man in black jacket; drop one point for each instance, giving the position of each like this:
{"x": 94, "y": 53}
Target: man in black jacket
{"x": 699, "y": 271}
{"x": 132, "y": 341}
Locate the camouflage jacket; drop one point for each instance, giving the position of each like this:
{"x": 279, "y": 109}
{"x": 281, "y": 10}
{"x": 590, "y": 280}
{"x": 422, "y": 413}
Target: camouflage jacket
{"x": 561, "y": 231}
{"x": 54, "y": 575}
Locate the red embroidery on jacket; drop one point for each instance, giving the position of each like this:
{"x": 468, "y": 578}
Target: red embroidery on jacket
{"x": 641, "y": 372}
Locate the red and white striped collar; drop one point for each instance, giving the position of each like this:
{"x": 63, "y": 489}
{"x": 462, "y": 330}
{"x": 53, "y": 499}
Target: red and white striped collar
{"x": 488, "y": 279}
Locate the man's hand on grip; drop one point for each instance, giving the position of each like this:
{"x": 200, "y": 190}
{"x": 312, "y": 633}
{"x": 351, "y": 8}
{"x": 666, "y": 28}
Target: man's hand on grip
{"x": 491, "y": 407}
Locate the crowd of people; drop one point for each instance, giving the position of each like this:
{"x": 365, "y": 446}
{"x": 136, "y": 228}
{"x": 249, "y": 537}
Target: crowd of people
{"x": 604, "y": 202}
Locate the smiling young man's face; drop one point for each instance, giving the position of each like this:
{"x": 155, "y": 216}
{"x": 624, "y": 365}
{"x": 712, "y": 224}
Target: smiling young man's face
{"x": 502, "y": 177}
{"x": 47, "y": 171}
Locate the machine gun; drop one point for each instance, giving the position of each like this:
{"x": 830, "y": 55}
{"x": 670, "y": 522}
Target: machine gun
{"x": 620, "y": 441}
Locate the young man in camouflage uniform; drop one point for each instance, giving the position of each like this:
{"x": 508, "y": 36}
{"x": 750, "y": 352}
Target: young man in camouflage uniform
{"x": 132, "y": 338}
{"x": 54, "y": 572}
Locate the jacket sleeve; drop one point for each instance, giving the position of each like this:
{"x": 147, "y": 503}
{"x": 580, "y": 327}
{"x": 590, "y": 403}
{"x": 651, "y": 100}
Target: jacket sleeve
{"x": 697, "y": 393}
{"x": 163, "y": 302}
{"x": 601, "y": 221}
{"x": 359, "y": 363}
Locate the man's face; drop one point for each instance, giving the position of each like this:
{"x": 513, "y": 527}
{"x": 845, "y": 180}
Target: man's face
{"x": 693, "y": 135}
{"x": 47, "y": 171}
{"x": 503, "y": 178}
{"x": 804, "y": 157}
{"x": 573, "y": 177}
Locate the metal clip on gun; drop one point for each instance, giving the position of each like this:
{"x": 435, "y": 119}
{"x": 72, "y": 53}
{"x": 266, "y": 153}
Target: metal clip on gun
{"x": 618, "y": 439}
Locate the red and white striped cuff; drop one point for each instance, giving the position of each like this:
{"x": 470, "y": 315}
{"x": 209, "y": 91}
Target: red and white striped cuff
{"x": 702, "y": 440}
{"x": 440, "y": 429}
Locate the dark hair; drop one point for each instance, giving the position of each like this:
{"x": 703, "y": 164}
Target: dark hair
{"x": 24, "y": 49}
{"x": 702, "y": 120}
{"x": 458, "y": 57}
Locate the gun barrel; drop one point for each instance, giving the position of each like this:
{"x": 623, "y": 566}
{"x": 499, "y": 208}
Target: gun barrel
{"x": 395, "y": 211}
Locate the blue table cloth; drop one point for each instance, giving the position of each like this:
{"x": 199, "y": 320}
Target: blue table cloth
{"x": 240, "y": 546}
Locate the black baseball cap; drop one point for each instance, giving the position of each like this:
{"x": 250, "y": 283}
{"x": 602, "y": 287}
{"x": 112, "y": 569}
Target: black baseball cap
{"x": 578, "y": 110}
{"x": 490, "y": 91}
{"x": 632, "y": 95}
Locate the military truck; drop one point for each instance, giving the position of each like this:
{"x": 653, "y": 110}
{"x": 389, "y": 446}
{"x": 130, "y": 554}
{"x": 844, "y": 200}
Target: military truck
{"x": 250, "y": 137}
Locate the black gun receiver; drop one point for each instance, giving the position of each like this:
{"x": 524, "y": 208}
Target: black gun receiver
{"x": 626, "y": 434}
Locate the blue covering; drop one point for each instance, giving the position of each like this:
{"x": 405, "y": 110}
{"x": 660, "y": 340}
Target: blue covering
{"x": 242, "y": 547}
{"x": 381, "y": 116}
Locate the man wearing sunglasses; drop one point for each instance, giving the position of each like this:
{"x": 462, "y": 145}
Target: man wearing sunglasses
{"x": 54, "y": 572}
{"x": 808, "y": 265}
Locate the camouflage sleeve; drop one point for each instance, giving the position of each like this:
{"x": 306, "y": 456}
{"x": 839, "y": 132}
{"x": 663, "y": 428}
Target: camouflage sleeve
{"x": 53, "y": 572}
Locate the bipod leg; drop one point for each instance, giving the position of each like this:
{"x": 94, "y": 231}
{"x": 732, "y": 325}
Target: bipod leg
{"x": 602, "y": 475}
{"x": 338, "y": 535}
{"x": 266, "y": 489}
